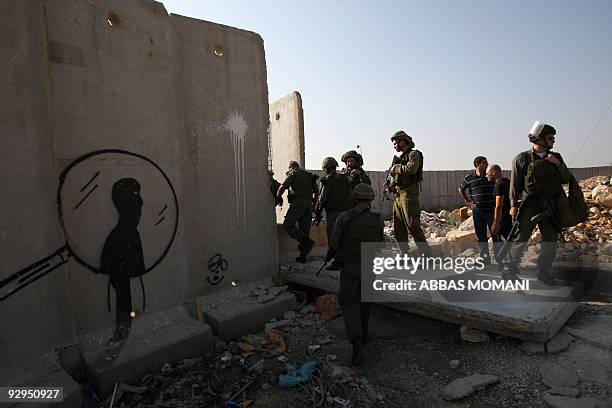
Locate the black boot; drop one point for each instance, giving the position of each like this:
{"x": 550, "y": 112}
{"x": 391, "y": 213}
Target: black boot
{"x": 357, "y": 358}
{"x": 510, "y": 272}
{"x": 545, "y": 277}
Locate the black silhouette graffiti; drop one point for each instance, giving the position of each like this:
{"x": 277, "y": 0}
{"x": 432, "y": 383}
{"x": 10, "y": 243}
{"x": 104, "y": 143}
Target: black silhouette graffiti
{"x": 216, "y": 265}
{"x": 122, "y": 256}
{"x": 122, "y": 252}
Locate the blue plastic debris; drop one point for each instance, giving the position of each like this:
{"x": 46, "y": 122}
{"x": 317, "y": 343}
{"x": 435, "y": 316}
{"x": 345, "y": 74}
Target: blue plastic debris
{"x": 296, "y": 375}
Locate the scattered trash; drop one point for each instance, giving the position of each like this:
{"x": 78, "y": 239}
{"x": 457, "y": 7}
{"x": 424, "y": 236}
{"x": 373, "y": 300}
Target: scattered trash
{"x": 189, "y": 363}
{"x": 370, "y": 391}
{"x": 283, "y": 359}
{"x": 273, "y": 345}
{"x": 314, "y": 347}
{"x": 296, "y": 375}
{"x": 341, "y": 401}
{"x": 341, "y": 374}
{"x": 462, "y": 387}
{"x": 327, "y": 339}
{"x": 166, "y": 368}
{"x": 327, "y": 305}
{"x": 224, "y": 361}
{"x": 289, "y": 315}
{"x": 331, "y": 357}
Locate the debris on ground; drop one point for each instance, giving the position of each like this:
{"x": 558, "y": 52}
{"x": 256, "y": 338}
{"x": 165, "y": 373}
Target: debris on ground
{"x": 297, "y": 374}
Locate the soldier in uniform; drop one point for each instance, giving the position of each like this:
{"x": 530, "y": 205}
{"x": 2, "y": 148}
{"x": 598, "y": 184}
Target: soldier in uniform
{"x": 407, "y": 177}
{"x": 353, "y": 227}
{"x": 353, "y": 169}
{"x": 274, "y": 186}
{"x": 303, "y": 192}
{"x": 335, "y": 197}
{"x": 538, "y": 175}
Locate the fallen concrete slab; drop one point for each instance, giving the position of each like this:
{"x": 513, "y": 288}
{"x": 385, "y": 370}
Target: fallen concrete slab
{"x": 44, "y": 371}
{"x": 535, "y": 315}
{"x": 164, "y": 337}
{"x": 233, "y": 312}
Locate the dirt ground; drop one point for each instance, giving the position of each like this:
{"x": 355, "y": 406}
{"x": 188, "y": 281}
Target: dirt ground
{"x": 406, "y": 362}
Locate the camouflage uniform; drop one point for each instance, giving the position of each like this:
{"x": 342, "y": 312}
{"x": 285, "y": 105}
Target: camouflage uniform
{"x": 408, "y": 174}
{"x": 300, "y": 186}
{"x": 353, "y": 227}
{"x": 335, "y": 198}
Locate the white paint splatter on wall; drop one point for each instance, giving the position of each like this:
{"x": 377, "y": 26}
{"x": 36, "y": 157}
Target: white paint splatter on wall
{"x": 237, "y": 126}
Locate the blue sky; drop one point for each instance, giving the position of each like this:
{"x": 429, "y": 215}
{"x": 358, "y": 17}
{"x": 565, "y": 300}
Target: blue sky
{"x": 464, "y": 78}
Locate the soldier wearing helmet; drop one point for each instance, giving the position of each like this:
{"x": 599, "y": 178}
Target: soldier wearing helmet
{"x": 407, "y": 176}
{"x": 303, "y": 192}
{"x": 335, "y": 198}
{"x": 353, "y": 227}
{"x": 353, "y": 169}
{"x": 538, "y": 175}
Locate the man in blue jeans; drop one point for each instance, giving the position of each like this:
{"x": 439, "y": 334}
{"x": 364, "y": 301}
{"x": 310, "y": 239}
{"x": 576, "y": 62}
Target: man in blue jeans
{"x": 478, "y": 193}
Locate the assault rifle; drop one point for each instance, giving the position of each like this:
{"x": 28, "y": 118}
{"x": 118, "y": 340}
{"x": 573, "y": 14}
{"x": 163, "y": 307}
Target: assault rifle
{"x": 514, "y": 231}
{"x": 390, "y": 179}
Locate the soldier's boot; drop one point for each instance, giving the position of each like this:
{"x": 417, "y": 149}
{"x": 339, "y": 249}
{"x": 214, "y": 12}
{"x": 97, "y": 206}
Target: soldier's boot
{"x": 510, "y": 272}
{"x": 307, "y": 245}
{"x": 545, "y": 277}
{"x": 357, "y": 358}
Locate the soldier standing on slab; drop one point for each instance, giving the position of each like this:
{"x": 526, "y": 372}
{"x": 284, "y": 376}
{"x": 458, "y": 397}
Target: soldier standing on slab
{"x": 303, "y": 192}
{"x": 335, "y": 198}
{"x": 538, "y": 175}
{"x": 407, "y": 175}
{"x": 353, "y": 169}
{"x": 353, "y": 227}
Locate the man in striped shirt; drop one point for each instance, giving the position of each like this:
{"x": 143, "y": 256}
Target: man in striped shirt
{"x": 478, "y": 193}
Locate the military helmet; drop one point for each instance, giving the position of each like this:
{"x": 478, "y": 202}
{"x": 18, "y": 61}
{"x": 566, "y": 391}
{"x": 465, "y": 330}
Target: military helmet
{"x": 329, "y": 162}
{"x": 354, "y": 155}
{"x": 400, "y": 134}
{"x": 363, "y": 191}
{"x": 539, "y": 129}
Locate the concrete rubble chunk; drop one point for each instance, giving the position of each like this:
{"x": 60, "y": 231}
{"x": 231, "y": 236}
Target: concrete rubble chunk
{"x": 277, "y": 290}
{"x": 265, "y": 298}
{"x": 462, "y": 387}
{"x": 554, "y": 375}
{"x": 559, "y": 343}
{"x": 555, "y": 401}
{"x": 454, "y": 364}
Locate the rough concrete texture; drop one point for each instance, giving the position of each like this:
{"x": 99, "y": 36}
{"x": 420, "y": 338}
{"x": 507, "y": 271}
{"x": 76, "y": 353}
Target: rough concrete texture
{"x": 44, "y": 371}
{"x": 233, "y": 312}
{"x": 286, "y": 139}
{"x": 187, "y": 100}
{"x": 462, "y": 387}
{"x": 505, "y": 313}
{"x": 594, "y": 329}
{"x": 155, "y": 339}
{"x": 554, "y": 401}
{"x": 554, "y": 375}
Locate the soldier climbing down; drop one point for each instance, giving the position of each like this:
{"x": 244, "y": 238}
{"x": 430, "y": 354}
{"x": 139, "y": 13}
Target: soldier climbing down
{"x": 335, "y": 198}
{"x": 303, "y": 192}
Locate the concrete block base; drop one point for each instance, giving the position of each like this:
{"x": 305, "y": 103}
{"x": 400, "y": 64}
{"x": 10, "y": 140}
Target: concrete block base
{"x": 165, "y": 337}
{"x": 233, "y": 313}
{"x": 45, "y": 371}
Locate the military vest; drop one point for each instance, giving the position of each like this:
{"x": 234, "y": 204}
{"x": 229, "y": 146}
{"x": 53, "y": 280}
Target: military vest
{"x": 337, "y": 193}
{"x": 405, "y": 181}
{"x": 301, "y": 188}
{"x": 364, "y": 227}
{"x": 543, "y": 177}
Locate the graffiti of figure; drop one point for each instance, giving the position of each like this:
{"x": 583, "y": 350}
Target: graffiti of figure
{"x": 122, "y": 256}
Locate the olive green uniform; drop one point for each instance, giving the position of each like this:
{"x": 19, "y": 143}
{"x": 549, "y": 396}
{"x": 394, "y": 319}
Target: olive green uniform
{"x": 408, "y": 174}
{"x": 300, "y": 186}
{"x": 335, "y": 199}
{"x": 542, "y": 182}
{"x": 362, "y": 177}
{"x": 353, "y": 227}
